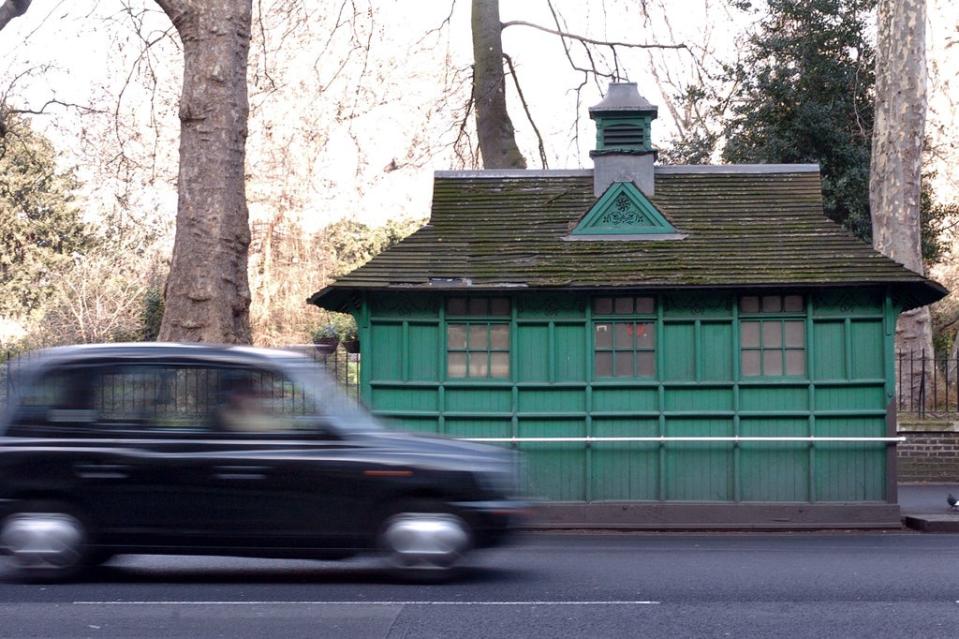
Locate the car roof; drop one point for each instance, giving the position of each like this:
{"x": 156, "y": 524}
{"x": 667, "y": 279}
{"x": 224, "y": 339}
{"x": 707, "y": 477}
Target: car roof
{"x": 212, "y": 353}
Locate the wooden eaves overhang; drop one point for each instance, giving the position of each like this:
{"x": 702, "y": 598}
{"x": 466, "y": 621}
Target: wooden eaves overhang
{"x": 742, "y": 226}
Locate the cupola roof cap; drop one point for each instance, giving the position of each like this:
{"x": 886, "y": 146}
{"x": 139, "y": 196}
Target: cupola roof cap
{"x": 623, "y": 98}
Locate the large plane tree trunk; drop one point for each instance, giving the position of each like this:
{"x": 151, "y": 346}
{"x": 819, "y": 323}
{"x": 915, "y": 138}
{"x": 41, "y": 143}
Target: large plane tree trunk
{"x": 207, "y": 294}
{"x": 894, "y": 181}
{"x": 497, "y": 140}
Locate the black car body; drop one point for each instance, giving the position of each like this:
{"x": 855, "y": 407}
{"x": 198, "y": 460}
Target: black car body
{"x": 134, "y": 448}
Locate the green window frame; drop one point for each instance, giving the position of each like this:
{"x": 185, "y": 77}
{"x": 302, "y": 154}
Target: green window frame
{"x": 624, "y": 337}
{"x": 478, "y": 338}
{"x": 772, "y": 336}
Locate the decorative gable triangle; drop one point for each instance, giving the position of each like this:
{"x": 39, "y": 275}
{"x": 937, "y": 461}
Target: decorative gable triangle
{"x": 623, "y": 210}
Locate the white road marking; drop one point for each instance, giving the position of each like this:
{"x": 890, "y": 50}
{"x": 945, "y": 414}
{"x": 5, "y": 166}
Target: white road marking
{"x": 366, "y": 603}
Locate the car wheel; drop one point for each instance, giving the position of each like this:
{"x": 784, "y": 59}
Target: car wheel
{"x": 44, "y": 542}
{"x": 425, "y": 540}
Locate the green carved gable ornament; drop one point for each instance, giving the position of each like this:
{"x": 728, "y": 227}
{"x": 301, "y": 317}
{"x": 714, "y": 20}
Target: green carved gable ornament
{"x": 623, "y": 212}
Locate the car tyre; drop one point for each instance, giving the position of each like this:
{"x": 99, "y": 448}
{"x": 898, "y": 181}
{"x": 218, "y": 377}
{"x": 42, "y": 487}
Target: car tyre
{"x": 45, "y": 542}
{"x": 425, "y": 541}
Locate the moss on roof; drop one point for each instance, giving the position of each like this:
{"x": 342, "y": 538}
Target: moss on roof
{"x": 742, "y": 229}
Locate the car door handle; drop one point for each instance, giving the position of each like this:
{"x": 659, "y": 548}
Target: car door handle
{"x": 241, "y": 472}
{"x": 101, "y": 471}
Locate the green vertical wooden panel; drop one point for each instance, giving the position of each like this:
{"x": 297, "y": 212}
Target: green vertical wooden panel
{"x": 413, "y": 424}
{"x": 775, "y": 471}
{"x": 554, "y": 471}
{"x": 775, "y": 398}
{"x": 678, "y": 345}
{"x": 699, "y": 399}
{"x": 552, "y": 400}
{"x": 625, "y": 399}
{"x": 532, "y": 357}
{"x": 405, "y": 399}
{"x": 386, "y": 363}
{"x": 717, "y": 351}
{"x": 624, "y": 470}
{"x": 478, "y": 400}
{"x": 570, "y": 360}
{"x": 466, "y": 428}
{"x": 424, "y": 342}
{"x": 867, "y": 350}
{"x": 869, "y": 397}
{"x": 850, "y": 471}
{"x": 699, "y": 471}
{"x": 829, "y": 345}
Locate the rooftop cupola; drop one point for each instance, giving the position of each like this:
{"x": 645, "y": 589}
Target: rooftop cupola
{"x": 624, "y": 150}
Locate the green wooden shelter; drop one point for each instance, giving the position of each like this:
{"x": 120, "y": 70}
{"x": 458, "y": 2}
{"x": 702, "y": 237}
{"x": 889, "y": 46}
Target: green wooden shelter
{"x": 688, "y": 346}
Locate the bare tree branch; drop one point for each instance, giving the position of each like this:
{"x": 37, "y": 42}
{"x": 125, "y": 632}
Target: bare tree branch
{"x": 529, "y": 116}
{"x": 601, "y": 43}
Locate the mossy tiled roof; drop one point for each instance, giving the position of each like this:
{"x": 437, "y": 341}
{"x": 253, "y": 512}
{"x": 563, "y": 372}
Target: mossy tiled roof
{"x": 743, "y": 227}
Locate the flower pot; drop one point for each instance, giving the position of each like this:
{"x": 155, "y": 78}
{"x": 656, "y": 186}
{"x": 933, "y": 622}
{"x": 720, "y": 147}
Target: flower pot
{"x": 351, "y": 345}
{"x": 326, "y": 344}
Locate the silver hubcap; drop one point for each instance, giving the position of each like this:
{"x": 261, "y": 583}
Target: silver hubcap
{"x": 42, "y": 541}
{"x": 426, "y": 540}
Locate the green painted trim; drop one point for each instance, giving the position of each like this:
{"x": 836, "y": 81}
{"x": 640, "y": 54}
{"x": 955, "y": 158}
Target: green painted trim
{"x": 661, "y": 490}
{"x": 737, "y": 451}
{"x": 591, "y": 223}
{"x": 810, "y": 367}
{"x": 642, "y": 121}
{"x": 367, "y": 348}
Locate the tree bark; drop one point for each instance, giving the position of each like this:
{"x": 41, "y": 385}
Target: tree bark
{"x": 207, "y": 297}
{"x": 12, "y": 9}
{"x": 497, "y": 139}
{"x": 894, "y": 180}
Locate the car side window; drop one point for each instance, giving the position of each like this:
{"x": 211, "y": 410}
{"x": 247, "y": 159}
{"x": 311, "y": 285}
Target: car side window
{"x": 56, "y": 403}
{"x": 258, "y": 401}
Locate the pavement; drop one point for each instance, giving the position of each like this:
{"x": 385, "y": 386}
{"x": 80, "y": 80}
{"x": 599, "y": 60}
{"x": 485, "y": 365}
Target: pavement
{"x": 924, "y": 507}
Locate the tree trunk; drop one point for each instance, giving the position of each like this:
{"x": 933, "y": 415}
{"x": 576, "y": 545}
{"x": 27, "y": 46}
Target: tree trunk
{"x": 12, "y": 9}
{"x": 894, "y": 180}
{"x": 207, "y": 297}
{"x": 497, "y": 140}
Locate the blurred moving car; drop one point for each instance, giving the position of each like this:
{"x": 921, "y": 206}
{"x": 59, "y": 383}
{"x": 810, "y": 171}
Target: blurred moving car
{"x": 193, "y": 449}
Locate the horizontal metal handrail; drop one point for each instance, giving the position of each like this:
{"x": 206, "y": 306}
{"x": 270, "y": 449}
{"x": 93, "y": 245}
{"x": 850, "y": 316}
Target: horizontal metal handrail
{"x": 665, "y": 439}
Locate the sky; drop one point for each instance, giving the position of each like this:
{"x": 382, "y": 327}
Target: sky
{"x": 331, "y": 116}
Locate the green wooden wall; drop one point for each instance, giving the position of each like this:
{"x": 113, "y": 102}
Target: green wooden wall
{"x": 697, "y": 390}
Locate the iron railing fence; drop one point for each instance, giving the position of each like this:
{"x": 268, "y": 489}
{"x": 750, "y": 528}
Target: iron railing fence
{"x": 927, "y": 386}
{"x": 191, "y": 389}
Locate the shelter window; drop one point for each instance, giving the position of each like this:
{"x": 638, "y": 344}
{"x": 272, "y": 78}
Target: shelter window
{"x": 772, "y": 336}
{"x": 624, "y": 347}
{"x": 478, "y": 345}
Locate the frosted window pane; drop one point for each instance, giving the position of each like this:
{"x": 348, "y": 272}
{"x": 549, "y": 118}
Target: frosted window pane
{"x": 772, "y": 334}
{"x": 772, "y": 303}
{"x": 772, "y": 363}
{"x": 479, "y": 367}
{"x": 795, "y": 363}
{"x": 456, "y": 306}
{"x": 456, "y": 337}
{"x": 624, "y": 364}
{"x": 603, "y": 305}
{"x": 604, "y": 364}
{"x": 478, "y": 306}
{"x": 645, "y": 305}
{"x": 499, "y": 365}
{"x": 646, "y": 364}
{"x": 623, "y": 336}
{"x": 623, "y": 306}
{"x": 749, "y": 334}
{"x": 750, "y": 363}
{"x": 478, "y": 337}
{"x": 795, "y": 334}
{"x": 500, "y": 336}
{"x": 793, "y": 304}
{"x": 645, "y": 336}
{"x": 604, "y": 336}
{"x": 456, "y": 365}
{"x": 749, "y": 304}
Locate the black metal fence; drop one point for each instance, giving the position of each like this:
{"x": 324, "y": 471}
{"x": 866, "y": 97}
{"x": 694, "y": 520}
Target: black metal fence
{"x": 927, "y": 386}
{"x": 342, "y": 366}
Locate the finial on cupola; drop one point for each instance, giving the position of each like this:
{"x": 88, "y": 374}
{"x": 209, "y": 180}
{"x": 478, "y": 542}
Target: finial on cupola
{"x": 624, "y": 150}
